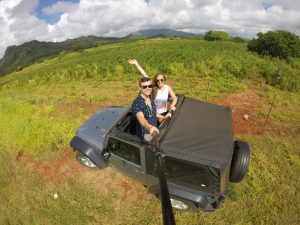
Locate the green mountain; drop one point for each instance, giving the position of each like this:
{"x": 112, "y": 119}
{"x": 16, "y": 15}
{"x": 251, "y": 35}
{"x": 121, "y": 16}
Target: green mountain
{"x": 16, "y": 57}
{"x": 164, "y": 32}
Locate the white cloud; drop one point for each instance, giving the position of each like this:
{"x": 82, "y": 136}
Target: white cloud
{"x": 121, "y": 17}
{"x": 18, "y": 24}
{"x": 59, "y": 7}
{"x": 104, "y": 18}
{"x": 286, "y": 4}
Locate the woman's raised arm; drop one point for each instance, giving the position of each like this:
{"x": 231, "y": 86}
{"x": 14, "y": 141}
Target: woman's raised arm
{"x": 137, "y": 65}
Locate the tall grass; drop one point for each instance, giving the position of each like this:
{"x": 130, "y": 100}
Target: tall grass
{"x": 30, "y": 127}
{"x": 189, "y": 58}
{"x": 42, "y": 106}
{"x": 267, "y": 195}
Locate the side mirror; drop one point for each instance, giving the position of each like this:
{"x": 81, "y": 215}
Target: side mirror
{"x": 106, "y": 155}
{"x": 114, "y": 146}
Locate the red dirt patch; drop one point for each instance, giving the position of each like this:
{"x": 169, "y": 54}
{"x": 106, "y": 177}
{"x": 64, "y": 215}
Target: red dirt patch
{"x": 63, "y": 166}
{"x": 241, "y": 104}
{"x": 130, "y": 189}
{"x": 249, "y": 102}
{"x": 74, "y": 108}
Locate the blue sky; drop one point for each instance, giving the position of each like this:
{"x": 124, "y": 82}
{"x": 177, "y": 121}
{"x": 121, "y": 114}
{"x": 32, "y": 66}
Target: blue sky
{"x": 266, "y": 5}
{"x": 52, "y": 20}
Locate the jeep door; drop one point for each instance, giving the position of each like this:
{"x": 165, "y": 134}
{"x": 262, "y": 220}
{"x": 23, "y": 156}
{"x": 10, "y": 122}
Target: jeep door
{"x": 128, "y": 158}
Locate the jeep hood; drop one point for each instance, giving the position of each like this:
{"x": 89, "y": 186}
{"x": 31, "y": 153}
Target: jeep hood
{"x": 93, "y": 131}
{"x": 200, "y": 132}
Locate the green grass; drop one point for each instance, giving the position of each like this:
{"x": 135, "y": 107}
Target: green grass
{"x": 176, "y": 58}
{"x": 32, "y": 127}
{"x": 42, "y": 106}
{"x": 284, "y": 105}
{"x": 266, "y": 196}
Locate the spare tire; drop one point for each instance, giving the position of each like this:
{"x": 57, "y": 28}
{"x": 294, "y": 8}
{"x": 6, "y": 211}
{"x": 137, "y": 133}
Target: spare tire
{"x": 240, "y": 161}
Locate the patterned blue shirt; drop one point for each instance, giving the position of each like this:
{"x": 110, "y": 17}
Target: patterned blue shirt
{"x": 139, "y": 105}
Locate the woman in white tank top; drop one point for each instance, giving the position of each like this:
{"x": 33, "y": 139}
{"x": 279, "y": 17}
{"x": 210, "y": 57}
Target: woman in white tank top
{"x": 161, "y": 93}
{"x": 161, "y": 99}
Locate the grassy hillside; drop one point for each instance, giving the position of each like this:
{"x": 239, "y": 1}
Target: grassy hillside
{"x": 42, "y": 106}
{"x": 17, "y": 57}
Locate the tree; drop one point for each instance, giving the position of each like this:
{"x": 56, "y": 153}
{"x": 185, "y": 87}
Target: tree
{"x": 62, "y": 54}
{"x": 282, "y": 44}
{"x": 78, "y": 47}
{"x": 216, "y": 35}
{"x": 238, "y": 39}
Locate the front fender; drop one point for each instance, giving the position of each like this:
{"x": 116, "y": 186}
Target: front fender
{"x": 84, "y": 148}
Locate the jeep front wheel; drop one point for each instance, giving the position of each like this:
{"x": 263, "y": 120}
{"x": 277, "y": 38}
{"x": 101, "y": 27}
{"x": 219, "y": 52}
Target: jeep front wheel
{"x": 85, "y": 161}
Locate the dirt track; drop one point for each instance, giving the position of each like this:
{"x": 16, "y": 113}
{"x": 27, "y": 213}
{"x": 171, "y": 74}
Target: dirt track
{"x": 64, "y": 165}
{"x": 242, "y": 104}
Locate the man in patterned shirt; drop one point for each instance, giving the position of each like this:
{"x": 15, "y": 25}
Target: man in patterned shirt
{"x": 144, "y": 110}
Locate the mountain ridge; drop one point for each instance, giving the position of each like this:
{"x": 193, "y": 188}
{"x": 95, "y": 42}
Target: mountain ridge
{"x": 17, "y": 57}
{"x": 163, "y": 32}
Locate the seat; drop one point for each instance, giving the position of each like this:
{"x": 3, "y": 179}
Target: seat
{"x": 128, "y": 124}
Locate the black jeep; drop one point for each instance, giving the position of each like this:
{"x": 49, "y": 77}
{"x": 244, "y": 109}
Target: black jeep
{"x": 199, "y": 154}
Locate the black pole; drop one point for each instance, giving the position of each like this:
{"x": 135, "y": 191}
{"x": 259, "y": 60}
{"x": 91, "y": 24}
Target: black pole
{"x": 168, "y": 216}
{"x": 269, "y": 111}
{"x": 207, "y": 91}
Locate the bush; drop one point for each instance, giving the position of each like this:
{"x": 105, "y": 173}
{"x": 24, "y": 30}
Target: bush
{"x": 78, "y": 47}
{"x": 62, "y": 54}
{"x": 238, "y": 39}
{"x": 282, "y": 44}
{"x": 216, "y": 35}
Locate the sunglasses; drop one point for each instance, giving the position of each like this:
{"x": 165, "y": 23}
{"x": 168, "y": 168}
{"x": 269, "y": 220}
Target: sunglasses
{"x": 161, "y": 80}
{"x": 147, "y": 86}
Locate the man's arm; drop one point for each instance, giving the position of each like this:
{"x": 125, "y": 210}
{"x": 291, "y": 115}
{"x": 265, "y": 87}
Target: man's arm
{"x": 140, "y": 69}
{"x": 144, "y": 123}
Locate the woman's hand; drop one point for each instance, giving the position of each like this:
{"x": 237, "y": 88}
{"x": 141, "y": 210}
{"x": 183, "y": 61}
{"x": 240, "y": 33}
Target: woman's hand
{"x": 168, "y": 115}
{"x": 137, "y": 65}
{"x": 132, "y": 62}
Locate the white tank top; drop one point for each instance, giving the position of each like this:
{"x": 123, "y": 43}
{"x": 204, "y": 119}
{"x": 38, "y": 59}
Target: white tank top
{"x": 161, "y": 100}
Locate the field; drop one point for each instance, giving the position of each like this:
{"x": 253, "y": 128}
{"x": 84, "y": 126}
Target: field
{"x": 42, "y": 105}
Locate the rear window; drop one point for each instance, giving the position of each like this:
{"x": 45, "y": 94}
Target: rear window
{"x": 187, "y": 174}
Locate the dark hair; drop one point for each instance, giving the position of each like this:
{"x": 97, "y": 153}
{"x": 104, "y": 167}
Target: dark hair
{"x": 143, "y": 79}
{"x": 155, "y": 86}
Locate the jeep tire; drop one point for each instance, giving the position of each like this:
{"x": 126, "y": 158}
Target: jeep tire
{"x": 85, "y": 161}
{"x": 240, "y": 161}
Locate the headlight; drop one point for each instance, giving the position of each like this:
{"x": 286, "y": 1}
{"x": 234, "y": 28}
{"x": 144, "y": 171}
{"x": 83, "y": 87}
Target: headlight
{"x": 177, "y": 204}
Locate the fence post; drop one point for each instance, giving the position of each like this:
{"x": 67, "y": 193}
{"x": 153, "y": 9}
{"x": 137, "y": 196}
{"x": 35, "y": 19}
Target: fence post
{"x": 207, "y": 90}
{"x": 270, "y": 110}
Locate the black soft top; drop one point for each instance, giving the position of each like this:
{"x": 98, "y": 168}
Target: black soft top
{"x": 200, "y": 132}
